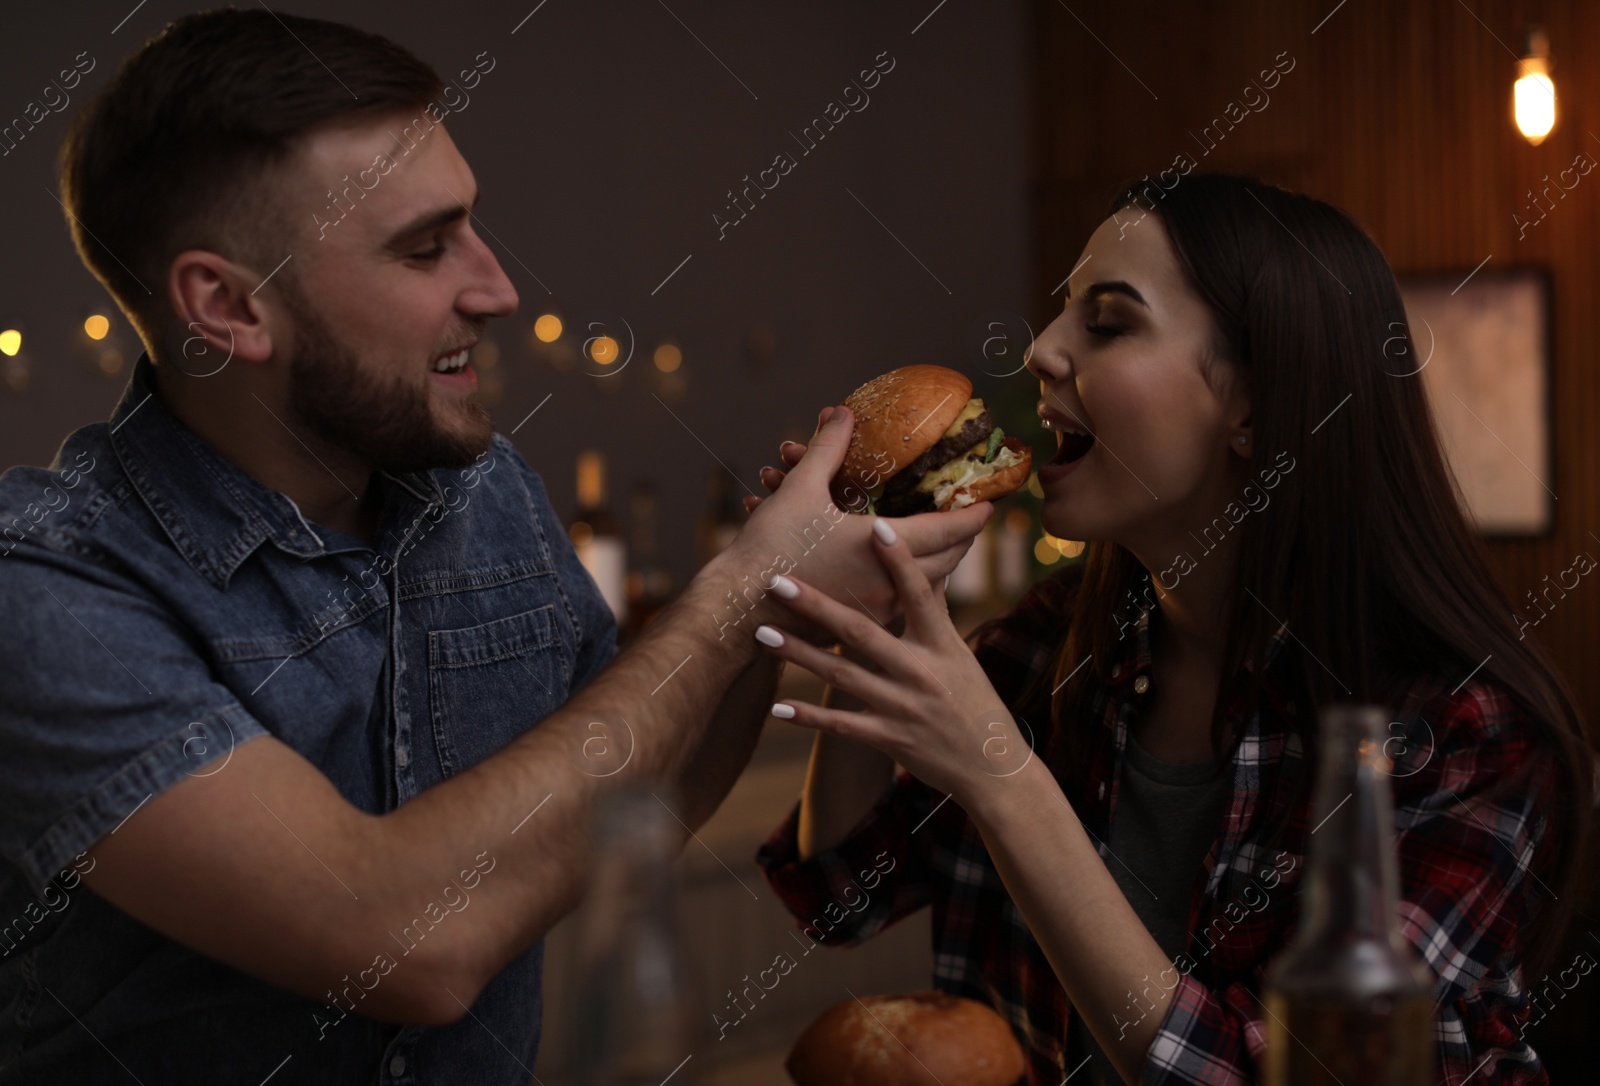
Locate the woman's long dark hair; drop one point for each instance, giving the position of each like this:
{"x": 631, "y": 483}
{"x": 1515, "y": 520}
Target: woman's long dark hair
{"x": 1364, "y": 551}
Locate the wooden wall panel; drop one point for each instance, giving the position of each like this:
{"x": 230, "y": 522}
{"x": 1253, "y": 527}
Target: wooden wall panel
{"x": 1396, "y": 112}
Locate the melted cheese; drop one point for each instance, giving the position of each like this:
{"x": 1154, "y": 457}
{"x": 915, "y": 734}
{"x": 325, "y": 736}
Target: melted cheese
{"x": 973, "y": 409}
{"x": 958, "y": 468}
{"x": 930, "y": 482}
{"x": 966, "y": 470}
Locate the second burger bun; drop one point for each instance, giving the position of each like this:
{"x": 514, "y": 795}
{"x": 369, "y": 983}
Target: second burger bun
{"x": 899, "y": 1040}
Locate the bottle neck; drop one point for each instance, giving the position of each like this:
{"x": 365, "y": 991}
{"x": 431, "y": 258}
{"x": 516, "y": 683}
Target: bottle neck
{"x": 1352, "y": 881}
{"x": 591, "y": 480}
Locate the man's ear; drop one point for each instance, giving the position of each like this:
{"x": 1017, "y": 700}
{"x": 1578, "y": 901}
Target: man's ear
{"x": 219, "y": 314}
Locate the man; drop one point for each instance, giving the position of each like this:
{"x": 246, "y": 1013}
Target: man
{"x": 306, "y": 696}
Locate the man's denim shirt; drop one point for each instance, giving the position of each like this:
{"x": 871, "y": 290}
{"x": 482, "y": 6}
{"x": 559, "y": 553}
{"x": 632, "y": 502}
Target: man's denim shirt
{"x": 158, "y": 608}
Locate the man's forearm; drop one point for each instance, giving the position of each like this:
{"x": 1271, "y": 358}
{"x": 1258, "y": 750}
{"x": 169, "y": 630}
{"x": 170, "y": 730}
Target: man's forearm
{"x": 527, "y": 807}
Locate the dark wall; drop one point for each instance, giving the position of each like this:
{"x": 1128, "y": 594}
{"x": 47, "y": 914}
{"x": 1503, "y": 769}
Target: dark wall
{"x": 605, "y": 138}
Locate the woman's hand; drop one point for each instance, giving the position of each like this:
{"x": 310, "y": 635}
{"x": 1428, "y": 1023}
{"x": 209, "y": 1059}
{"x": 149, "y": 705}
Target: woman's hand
{"x": 930, "y": 707}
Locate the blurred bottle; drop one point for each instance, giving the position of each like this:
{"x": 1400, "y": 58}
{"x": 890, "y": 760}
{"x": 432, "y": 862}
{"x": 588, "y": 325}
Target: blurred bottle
{"x": 1011, "y": 555}
{"x": 597, "y": 534}
{"x": 1349, "y": 1001}
{"x": 972, "y": 581}
{"x": 722, "y": 519}
{"x": 637, "y": 1021}
{"x": 649, "y": 584}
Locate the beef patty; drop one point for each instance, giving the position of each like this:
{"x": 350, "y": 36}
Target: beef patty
{"x": 900, "y": 494}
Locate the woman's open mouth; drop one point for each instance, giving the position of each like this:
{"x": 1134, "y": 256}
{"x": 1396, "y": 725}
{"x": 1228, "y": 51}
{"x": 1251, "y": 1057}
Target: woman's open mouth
{"x": 1073, "y": 447}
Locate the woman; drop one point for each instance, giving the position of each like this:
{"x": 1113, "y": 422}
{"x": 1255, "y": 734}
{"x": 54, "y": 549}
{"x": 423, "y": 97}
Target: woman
{"x": 1246, "y": 444}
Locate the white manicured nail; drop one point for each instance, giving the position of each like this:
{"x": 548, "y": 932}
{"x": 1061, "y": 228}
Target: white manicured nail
{"x": 785, "y": 587}
{"x": 885, "y": 534}
{"x": 769, "y": 636}
{"x": 947, "y": 582}
{"x": 783, "y": 712}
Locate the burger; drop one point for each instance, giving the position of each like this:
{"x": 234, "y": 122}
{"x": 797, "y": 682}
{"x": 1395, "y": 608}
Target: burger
{"x": 902, "y": 1040}
{"x": 923, "y": 442}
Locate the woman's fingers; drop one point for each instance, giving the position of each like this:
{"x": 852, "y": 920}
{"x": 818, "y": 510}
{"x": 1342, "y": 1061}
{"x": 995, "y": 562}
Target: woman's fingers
{"x": 750, "y": 502}
{"x": 772, "y": 478}
{"x": 851, "y": 624}
{"x": 923, "y": 610}
{"x": 860, "y": 726}
{"x": 843, "y": 675}
{"x": 791, "y": 452}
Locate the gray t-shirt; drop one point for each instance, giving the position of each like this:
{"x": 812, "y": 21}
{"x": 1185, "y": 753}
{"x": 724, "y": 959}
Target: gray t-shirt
{"x": 1166, "y": 818}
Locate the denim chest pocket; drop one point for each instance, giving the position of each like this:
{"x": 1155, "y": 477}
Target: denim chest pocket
{"x": 489, "y": 683}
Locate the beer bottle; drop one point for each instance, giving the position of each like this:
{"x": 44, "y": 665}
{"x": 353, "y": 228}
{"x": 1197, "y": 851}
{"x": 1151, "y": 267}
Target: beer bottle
{"x": 649, "y": 584}
{"x": 1349, "y": 1000}
{"x": 597, "y": 534}
{"x": 638, "y": 1014}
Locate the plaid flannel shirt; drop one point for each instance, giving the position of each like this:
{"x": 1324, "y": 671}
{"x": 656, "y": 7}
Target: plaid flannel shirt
{"x": 1469, "y": 881}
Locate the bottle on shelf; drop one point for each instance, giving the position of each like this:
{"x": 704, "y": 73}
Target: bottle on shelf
{"x": 972, "y": 581}
{"x": 1011, "y": 569}
{"x": 1349, "y": 1000}
{"x": 649, "y": 583}
{"x": 597, "y": 534}
{"x": 637, "y": 1019}
{"x": 722, "y": 518}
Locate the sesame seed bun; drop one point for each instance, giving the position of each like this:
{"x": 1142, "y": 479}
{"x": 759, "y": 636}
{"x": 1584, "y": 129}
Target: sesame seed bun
{"x": 900, "y": 416}
{"x": 899, "y": 1040}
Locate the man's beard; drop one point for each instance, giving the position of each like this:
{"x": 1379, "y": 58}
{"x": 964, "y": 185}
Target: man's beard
{"x": 381, "y": 419}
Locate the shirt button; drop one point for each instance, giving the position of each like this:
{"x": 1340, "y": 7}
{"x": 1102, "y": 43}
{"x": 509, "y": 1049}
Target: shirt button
{"x": 1116, "y": 669}
{"x": 397, "y": 1066}
{"x": 1141, "y": 684}
{"x": 402, "y": 758}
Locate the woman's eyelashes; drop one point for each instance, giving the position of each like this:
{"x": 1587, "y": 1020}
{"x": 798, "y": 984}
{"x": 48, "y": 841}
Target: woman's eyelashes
{"x": 1105, "y": 331}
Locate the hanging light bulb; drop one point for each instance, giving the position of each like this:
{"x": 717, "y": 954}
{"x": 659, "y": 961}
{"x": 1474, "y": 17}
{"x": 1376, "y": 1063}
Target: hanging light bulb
{"x": 1533, "y": 98}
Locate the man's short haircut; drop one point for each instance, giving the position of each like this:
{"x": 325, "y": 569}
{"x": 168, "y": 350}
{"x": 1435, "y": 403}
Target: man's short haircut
{"x": 184, "y": 148}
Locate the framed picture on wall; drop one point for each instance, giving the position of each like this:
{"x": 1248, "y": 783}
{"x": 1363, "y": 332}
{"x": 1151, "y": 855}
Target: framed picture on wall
{"x": 1481, "y": 346}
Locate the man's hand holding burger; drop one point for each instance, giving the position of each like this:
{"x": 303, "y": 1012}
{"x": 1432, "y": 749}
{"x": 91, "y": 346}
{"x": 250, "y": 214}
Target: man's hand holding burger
{"x": 803, "y": 530}
{"x": 917, "y": 442}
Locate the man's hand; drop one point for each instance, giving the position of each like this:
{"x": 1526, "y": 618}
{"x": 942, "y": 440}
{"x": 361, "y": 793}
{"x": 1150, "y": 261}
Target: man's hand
{"x": 790, "y": 453}
{"x": 800, "y": 527}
